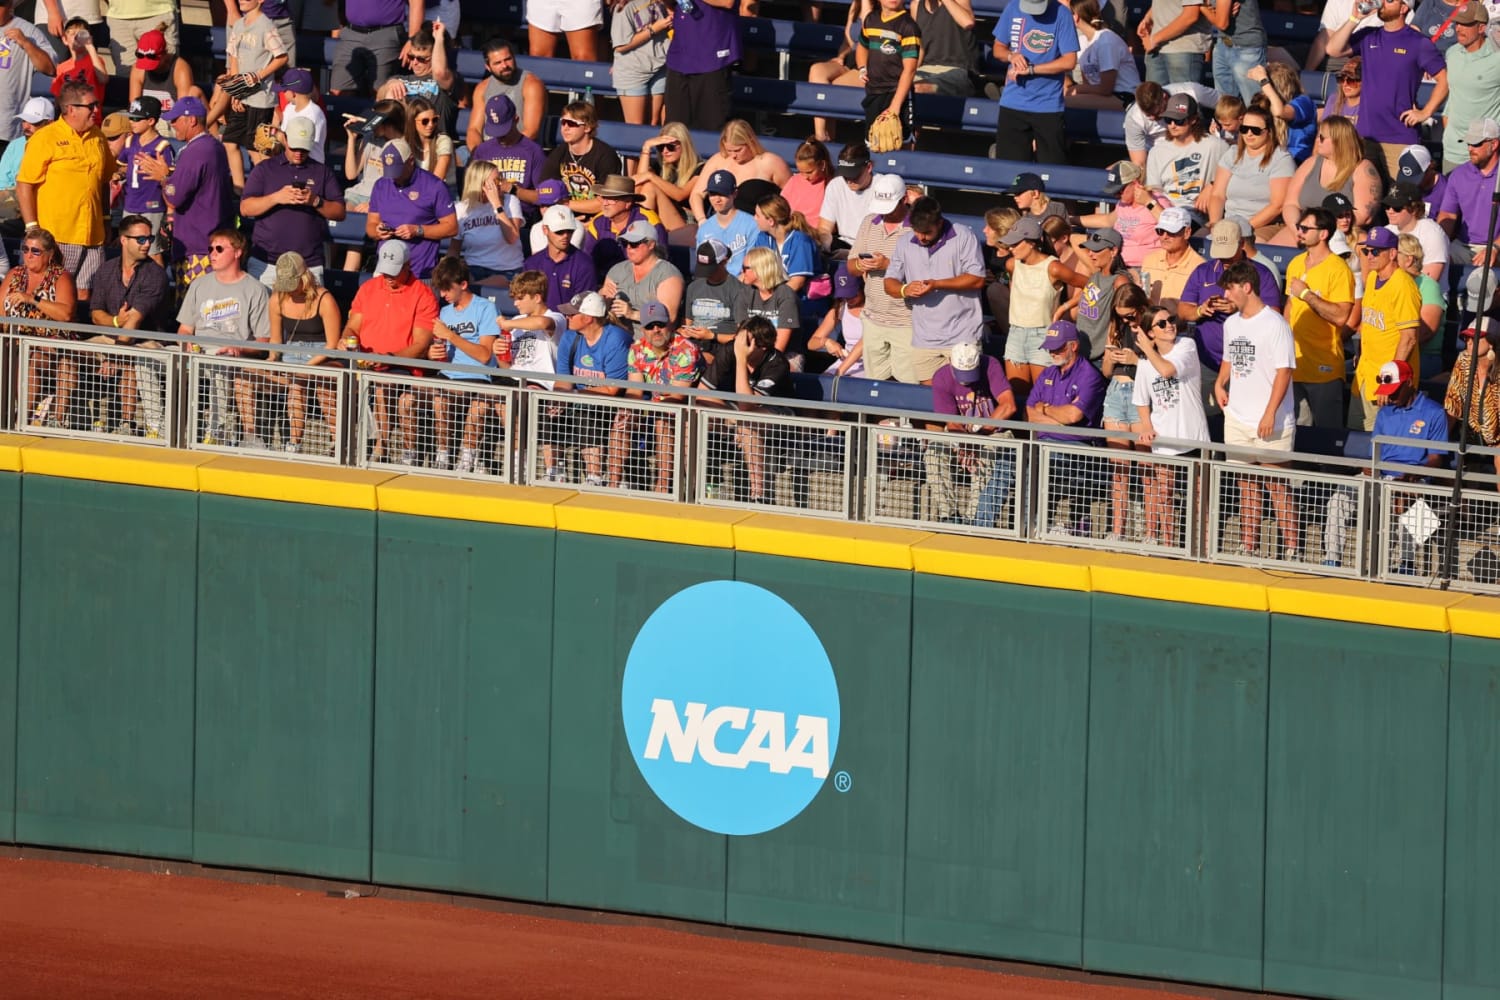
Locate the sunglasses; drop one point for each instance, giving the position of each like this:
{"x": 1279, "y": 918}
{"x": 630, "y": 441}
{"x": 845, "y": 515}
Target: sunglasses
{"x": 572, "y": 123}
{"x": 1373, "y": 251}
{"x": 1161, "y": 324}
{"x": 220, "y": 248}
{"x": 1349, "y": 79}
{"x": 421, "y": 58}
{"x": 1253, "y": 129}
{"x": 427, "y": 119}
{"x": 1387, "y": 380}
{"x": 146, "y": 55}
{"x": 1127, "y": 317}
{"x": 91, "y": 105}
{"x": 655, "y": 326}
{"x": 670, "y": 147}
{"x": 142, "y": 240}
{"x": 32, "y": 251}
{"x": 1166, "y": 232}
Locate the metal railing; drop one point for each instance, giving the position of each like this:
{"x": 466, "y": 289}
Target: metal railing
{"x": 1306, "y": 513}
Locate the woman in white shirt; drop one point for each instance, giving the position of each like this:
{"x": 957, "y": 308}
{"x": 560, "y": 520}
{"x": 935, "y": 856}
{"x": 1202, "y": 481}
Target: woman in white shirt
{"x": 1170, "y": 405}
{"x": 489, "y": 234}
{"x": 1107, "y": 76}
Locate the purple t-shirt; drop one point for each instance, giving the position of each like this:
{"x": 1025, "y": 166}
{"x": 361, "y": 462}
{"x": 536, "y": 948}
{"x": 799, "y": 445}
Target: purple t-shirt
{"x": 1467, "y": 195}
{"x": 375, "y": 13}
{"x": 1395, "y": 62}
{"x": 422, "y": 202}
{"x": 1202, "y": 285}
{"x": 704, "y": 40}
{"x": 1081, "y": 386}
{"x": 143, "y": 195}
{"x": 565, "y": 278}
{"x": 520, "y": 162}
{"x": 277, "y": 10}
{"x": 1434, "y": 197}
{"x": 291, "y": 227}
{"x": 969, "y": 399}
{"x": 201, "y": 193}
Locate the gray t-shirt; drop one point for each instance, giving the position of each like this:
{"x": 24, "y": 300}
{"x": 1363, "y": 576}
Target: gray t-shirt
{"x": 1195, "y": 39}
{"x": 643, "y": 291}
{"x": 624, "y": 23}
{"x": 714, "y": 307}
{"x": 15, "y": 74}
{"x": 255, "y": 45}
{"x": 1249, "y": 189}
{"x": 226, "y": 311}
{"x": 1183, "y": 171}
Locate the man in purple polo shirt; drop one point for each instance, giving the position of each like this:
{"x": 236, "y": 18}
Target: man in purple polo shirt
{"x": 569, "y": 270}
{"x": 1203, "y": 302}
{"x": 1465, "y": 211}
{"x": 939, "y": 270}
{"x": 199, "y": 190}
{"x": 371, "y": 42}
{"x": 705, "y": 46}
{"x": 411, "y": 205}
{"x": 518, "y": 158}
{"x": 293, "y": 198}
{"x": 1396, "y": 56}
{"x": 620, "y": 208}
{"x": 1068, "y": 393}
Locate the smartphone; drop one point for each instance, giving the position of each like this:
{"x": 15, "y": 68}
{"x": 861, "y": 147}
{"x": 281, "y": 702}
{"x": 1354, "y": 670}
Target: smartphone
{"x": 866, "y": 256}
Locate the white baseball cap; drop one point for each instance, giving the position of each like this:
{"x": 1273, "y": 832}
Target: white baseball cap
{"x": 886, "y": 192}
{"x": 1174, "y": 220}
{"x": 587, "y": 303}
{"x": 37, "y": 111}
{"x": 560, "y": 218}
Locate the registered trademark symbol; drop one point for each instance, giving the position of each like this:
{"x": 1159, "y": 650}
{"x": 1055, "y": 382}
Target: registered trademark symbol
{"x": 842, "y": 782}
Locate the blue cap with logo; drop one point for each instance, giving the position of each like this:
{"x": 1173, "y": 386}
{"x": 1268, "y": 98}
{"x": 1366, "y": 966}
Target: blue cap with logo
{"x": 721, "y": 182}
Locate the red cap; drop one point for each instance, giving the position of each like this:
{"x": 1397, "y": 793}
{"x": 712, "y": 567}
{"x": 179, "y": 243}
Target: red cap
{"x": 1393, "y": 375}
{"x": 150, "y": 50}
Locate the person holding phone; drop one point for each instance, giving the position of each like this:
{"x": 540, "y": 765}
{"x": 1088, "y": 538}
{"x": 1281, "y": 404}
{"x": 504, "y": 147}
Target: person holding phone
{"x": 1204, "y": 303}
{"x": 293, "y": 198}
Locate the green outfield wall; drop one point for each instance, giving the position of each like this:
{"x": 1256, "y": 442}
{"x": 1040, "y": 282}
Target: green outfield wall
{"x": 1117, "y": 764}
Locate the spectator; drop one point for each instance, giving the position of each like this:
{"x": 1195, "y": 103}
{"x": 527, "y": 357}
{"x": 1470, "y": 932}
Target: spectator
{"x": 887, "y": 317}
{"x": 199, "y": 194}
{"x": 1465, "y": 211}
{"x": 847, "y": 317}
{"x": 1409, "y": 415}
{"x": 1484, "y": 404}
{"x": 841, "y": 70}
{"x": 1293, "y": 112}
{"x": 505, "y": 78}
{"x": 1030, "y": 192}
{"x": 580, "y": 161}
{"x": 1392, "y": 315}
{"x": 1176, "y": 41}
{"x": 941, "y": 272}
{"x": 371, "y": 43}
{"x": 1397, "y": 56}
{"x": 116, "y": 129}
{"x": 307, "y": 318}
{"x": 1036, "y": 282}
{"x": 1229, "y": 112}
{"x": 518, "y": 158}
{"x": 1183, "y": 166}
{"x": 705, "y": 47}
{"x": 1204, "y": 300}
{"x": 393, "y": 314}
{"x": 1436, "y": 19}
{"x": 639, "y": 35}
{"x": 753, "y": 367}
{"x": 279, "y": 12}
{"x": 367, "y": 137}
{"x": 1335, "y": 13}
{"x": 890, "y": 46}
{"x": 37, "y": 112}
{"x": 1337, "y": 166}
{"x": 1241, "y": 47}
{"x": 971, "y": 385}
{"x": 1343, "y": 239}
{"x": 662, "y": 358}
{"x": 1094, "y": 315}
{"x": 1134, "y": 215}
{"x": 1068, "y": 394}
{"x": 1254, "y": 388}
{"x": 787, "y": 233}
{"x": 1409, "y": 258}
{"x": 293, "y": 198}
{"x": 22, "y": 38}
{"x": 1168, "y": 405}
{"x": 1120, "y": 364}
{"x": 1473, "y": 78}
{"x": 1418, "y": 170}
{"x": 1165, "y": 271}
{"x": 620, "y": 208}
{"x": 429, "y": 58}
{"x": 757, "y": 172}
{"x": 63, "y": 185}
{"x": 410, "y": 205}
{"x": 548, "y": 20}
{"x": 1144, "y": 125}
{"x": 846, "y": 200}
{"x": 591, "y": 350}
{"x": 1037, "y": 42}
{"x": 533, "y": 332}
{"x": 432, "y": 146}
{"x": 665, "y": 174}
{"x": 727, "y": 224}
{"x": 1344, "y": 101}
{"x": 948, "y": 62}
{"x": 464, "y": 335}
{"x": 489, "y": 227}
{"x": 1106, "y": 76}
{"x": 713, "y": 301}
{"x": 1408, "y": 214}
{"x": 570, "y": 272}
{"x": 997, "y": 222}
{"x": 156, "y": 70}
{"x": 1253, "y": 177}
{"x": 770, "y": 296}
{"x": 804, "y": 190}
{"x": 243, "y": 97}
{"x": 132, "y": 292}
{"x": 132, "y": 25}
{"x": 84, "y": 64}
{"x": 41, "y": 289}
{"x": 642, "y": 278}
{"x": 1320, "y": 308}
{"x": 297, "y": 87}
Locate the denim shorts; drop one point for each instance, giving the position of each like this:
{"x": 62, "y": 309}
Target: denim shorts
{"x": 1023, "y": 346}
{"x": 1117, "y": 404}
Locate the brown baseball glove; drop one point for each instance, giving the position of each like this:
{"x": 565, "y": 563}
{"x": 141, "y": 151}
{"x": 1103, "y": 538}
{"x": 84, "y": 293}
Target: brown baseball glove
{"x": 267, "y": 140}
{"x": 886, "y": 134}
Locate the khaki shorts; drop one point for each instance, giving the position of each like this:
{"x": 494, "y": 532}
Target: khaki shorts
{"x": 888, "y": 352}
{"x": 925, "y": 362}
{"x": 1238, "y": 435}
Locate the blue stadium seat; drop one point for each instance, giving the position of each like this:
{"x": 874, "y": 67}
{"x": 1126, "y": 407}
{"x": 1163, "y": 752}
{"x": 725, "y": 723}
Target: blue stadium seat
{"x": 568, "y": 75}
{"x": 979, "y": 174}
{"x": 349, "y": 231}
{"x": 804, "y": 39}
{"x": 1280, "y": 256}
{"x": 342, "y": 285}
{"x": 890, "y": 395}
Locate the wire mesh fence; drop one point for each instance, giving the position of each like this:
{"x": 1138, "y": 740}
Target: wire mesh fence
{"x": 257, "y": 405}
{"x": 596, "y": 442}
{"x": 1293, "y": 518}
{"x": 83, "y": 389}
{"x": 767, "y": 461}
{"x": 1419, "y": 521}
{"x": 936, "y": 478}
{"x": 451, "y": 426}
{"x": 1111, "y": 496}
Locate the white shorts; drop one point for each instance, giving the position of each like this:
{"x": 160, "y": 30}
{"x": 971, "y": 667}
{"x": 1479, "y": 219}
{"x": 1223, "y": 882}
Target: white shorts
{"x": 1238, "y": 435}
{"x": 558, "y": 16}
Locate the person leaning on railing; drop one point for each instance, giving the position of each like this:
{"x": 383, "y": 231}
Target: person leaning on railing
{"x": 41, "y": 289}
{"x": 1484, "y": 404}
{"x": 593, "y": 348}
{"x": 660, "y": 357}
{"x": 133, "y": 292}
{"x": 752, "y": 367}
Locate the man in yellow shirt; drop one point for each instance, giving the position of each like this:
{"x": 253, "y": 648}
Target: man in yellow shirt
{"x": 72, "y": 157}
{"x": 1165, "y": 271}
{"x": 1391, "y": 314}
{"x": 1320, "y": 309}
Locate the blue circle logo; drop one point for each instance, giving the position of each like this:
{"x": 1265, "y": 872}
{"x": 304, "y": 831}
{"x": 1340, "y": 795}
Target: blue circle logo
{"x": 735, "y": 736}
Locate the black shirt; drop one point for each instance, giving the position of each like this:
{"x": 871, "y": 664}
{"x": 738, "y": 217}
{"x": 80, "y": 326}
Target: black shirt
{"x": 149, "y": 293}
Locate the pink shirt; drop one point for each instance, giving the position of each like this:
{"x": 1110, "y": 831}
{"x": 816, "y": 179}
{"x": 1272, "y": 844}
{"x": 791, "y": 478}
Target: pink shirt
{"x": 805, "y": 197}
{"x": 1137, "y": 227}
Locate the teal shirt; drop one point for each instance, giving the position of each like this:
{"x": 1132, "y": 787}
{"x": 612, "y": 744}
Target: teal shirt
{"x": 10, "y": 163}
{"x": 1474, "y": 82}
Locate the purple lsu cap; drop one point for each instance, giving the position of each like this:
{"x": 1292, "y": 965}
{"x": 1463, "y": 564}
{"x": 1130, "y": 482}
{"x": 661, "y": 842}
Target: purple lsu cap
{"x": 551, "y": 193}
{"x": 499, "y": 116}
{"x": 1060, "y": 333}
{"x": 296, "y": 81}
{"x": 1380, "y": 238}
{"x": 845, "y": 284}
{"x": 186, "y": 106}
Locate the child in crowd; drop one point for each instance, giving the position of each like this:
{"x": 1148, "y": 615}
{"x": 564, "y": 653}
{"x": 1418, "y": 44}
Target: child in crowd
{"x": 890, "y": 47}
{"x": 848, "y": 307}
{"x": 530, "y": 338}
{"x": 465, "y": 334}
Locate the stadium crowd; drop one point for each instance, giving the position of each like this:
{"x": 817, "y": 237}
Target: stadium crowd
{"x": 203, "y": 206}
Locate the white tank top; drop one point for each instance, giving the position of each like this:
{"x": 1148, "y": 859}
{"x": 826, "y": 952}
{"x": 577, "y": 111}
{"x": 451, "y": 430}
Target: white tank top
{"x": 1033, "y": 296}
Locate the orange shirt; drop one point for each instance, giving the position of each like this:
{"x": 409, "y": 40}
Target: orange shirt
{"x": 388, "y": 317}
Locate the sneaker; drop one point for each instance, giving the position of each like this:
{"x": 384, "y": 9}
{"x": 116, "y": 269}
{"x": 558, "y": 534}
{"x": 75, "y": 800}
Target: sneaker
{"x": 153, "y": 433}
{"x": 442, "y": 460}
{"x": 1406, "y": 567}
{"x": 43, "y": 411}
{"x": 293, "y": 448}
{"x": 1291, "y": 555}
{"x": 593, "y": 480}
{"x": 253, "y": 442}
{"x": 1113, "y": 538}
{"x": 1333, "y": 563}
{"x": 466, "y": 460}
{"x": 1057, "y": 533}
{"x": 126, "y": 428}
{"x": 407, "y": 458}
{"x": 552, "y": 475}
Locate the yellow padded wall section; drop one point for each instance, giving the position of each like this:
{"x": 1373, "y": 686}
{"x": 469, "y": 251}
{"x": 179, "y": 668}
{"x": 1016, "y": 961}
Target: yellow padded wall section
{"x": 1004, "y": 562}
{"x": 1362, "y": 602}
{"x": 830, "y": 541}
{"x": 649, "y": 520}
{"x": 291, "y": 482}
{"x": 130, "y": 465}
{"x": 466, "y": 500}
{"x": 10, "y": 450}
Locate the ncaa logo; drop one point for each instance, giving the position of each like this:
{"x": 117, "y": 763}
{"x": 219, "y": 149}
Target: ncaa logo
{"x": 735, "y": 737}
